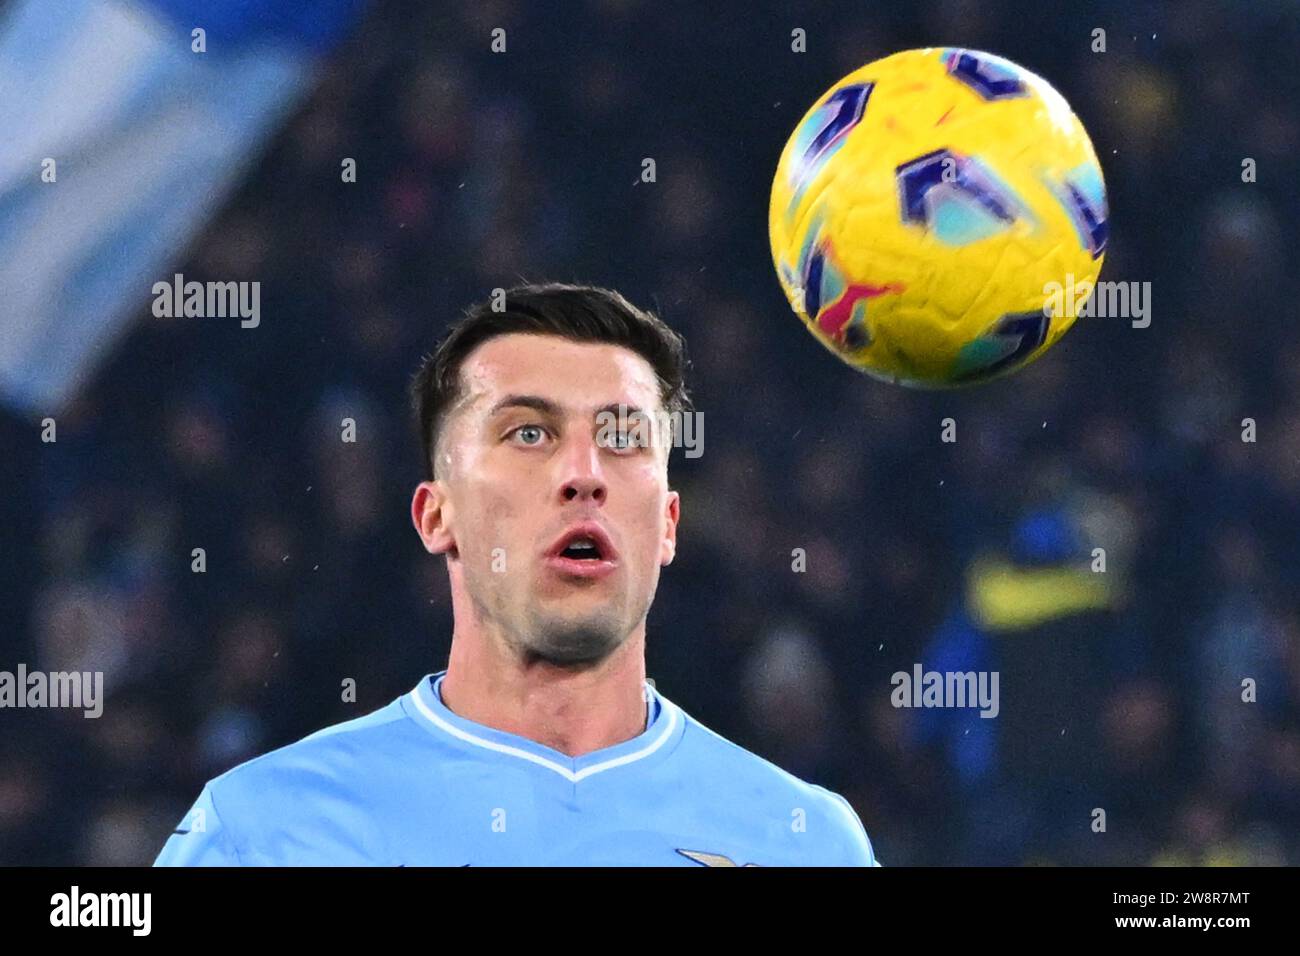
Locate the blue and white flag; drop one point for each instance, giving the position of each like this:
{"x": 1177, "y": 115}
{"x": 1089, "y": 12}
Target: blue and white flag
{"x": 118, "y": 142}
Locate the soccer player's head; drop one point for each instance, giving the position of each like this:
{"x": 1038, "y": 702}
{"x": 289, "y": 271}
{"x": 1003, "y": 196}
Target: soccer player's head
{"x": 542, "y": 415}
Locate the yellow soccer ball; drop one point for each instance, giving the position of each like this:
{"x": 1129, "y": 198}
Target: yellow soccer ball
{"x": 938, "y": 216}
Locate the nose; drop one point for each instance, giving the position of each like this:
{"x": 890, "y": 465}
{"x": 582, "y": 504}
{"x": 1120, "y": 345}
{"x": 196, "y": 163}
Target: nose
{"x": 578, "y": 489}
{"x": 582, "y": 478}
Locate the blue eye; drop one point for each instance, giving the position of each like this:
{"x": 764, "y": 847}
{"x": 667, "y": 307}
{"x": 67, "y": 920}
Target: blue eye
{"x": 623, "y": 440}
{"x": 530, "y": 434}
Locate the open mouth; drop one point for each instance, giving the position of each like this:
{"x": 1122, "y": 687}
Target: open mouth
{"x": 587, "y": 543}
{"x": 582, "y": 549}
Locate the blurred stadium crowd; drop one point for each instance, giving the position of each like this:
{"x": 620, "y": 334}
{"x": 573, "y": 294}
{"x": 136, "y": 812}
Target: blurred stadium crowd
{"x": 478, "y": 170}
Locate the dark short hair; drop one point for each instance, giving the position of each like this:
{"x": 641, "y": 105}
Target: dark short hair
{"x": 580, "y": 313}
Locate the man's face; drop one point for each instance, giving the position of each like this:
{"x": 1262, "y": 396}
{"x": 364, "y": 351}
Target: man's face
{"x": 528, "y": 483}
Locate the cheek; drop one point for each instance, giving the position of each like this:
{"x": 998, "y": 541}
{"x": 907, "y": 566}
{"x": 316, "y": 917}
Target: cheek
{"x": 645, "y": 520}
{"x": 489, "y": 518}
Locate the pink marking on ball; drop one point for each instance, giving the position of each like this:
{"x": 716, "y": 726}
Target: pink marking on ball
{"x": 835, "y": 317}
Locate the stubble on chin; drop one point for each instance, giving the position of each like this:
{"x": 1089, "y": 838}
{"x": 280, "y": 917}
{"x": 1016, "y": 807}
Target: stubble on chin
{"x": 572, "y": 642}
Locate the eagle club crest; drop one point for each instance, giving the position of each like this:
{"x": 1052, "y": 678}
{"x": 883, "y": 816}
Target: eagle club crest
{"x": 711, "y": 859}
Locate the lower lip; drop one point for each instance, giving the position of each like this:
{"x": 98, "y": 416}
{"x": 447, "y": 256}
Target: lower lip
{"x": 581, "y": 568}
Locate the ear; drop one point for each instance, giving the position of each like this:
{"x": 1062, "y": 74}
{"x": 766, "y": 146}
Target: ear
{"x": 672, "y": 514}
{"x": 431, "y": 513}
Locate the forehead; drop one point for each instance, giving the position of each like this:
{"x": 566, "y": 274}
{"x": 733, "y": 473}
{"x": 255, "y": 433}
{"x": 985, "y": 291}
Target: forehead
{"x": 580, "y": 375}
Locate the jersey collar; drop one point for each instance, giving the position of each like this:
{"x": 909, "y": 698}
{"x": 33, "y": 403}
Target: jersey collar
{"x": 663, "y": 721}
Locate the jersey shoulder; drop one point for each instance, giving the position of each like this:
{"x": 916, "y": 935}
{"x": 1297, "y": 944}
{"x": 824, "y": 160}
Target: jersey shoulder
{"x": 346, "y": 750}
{"x": 752, "y": 780}
{"x": 299, "y": 794}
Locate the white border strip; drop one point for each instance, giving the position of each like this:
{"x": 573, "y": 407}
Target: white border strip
{"x": 565, "y": 772}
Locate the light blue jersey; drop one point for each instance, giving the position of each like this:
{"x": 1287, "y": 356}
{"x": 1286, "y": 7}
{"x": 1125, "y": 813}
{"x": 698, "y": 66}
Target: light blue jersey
{"x": 413, "y": 784}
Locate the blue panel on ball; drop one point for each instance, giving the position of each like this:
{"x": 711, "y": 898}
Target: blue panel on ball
{"x": 821, "y": 135}
{"x": 812, "y": 284}
{"x": 832, "y": 122}
{"x": 958, "y": 219}
{"x": 1083, "y": 195}
{"x": 1012, "y": 340}
{"x": 991, "y": 77}
{"x": 955, "y": 196}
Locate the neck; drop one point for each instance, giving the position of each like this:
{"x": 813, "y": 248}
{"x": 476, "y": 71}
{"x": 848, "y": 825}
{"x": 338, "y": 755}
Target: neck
{"x": 572, "y": 711}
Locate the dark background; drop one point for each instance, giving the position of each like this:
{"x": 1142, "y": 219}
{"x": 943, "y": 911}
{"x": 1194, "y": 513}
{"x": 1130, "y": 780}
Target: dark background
{"x": 477, "y": 171}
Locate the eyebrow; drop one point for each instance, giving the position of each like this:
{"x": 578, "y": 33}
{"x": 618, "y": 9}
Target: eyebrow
{"x": 526, "y": 401}
{"x": 548, "y": 407}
